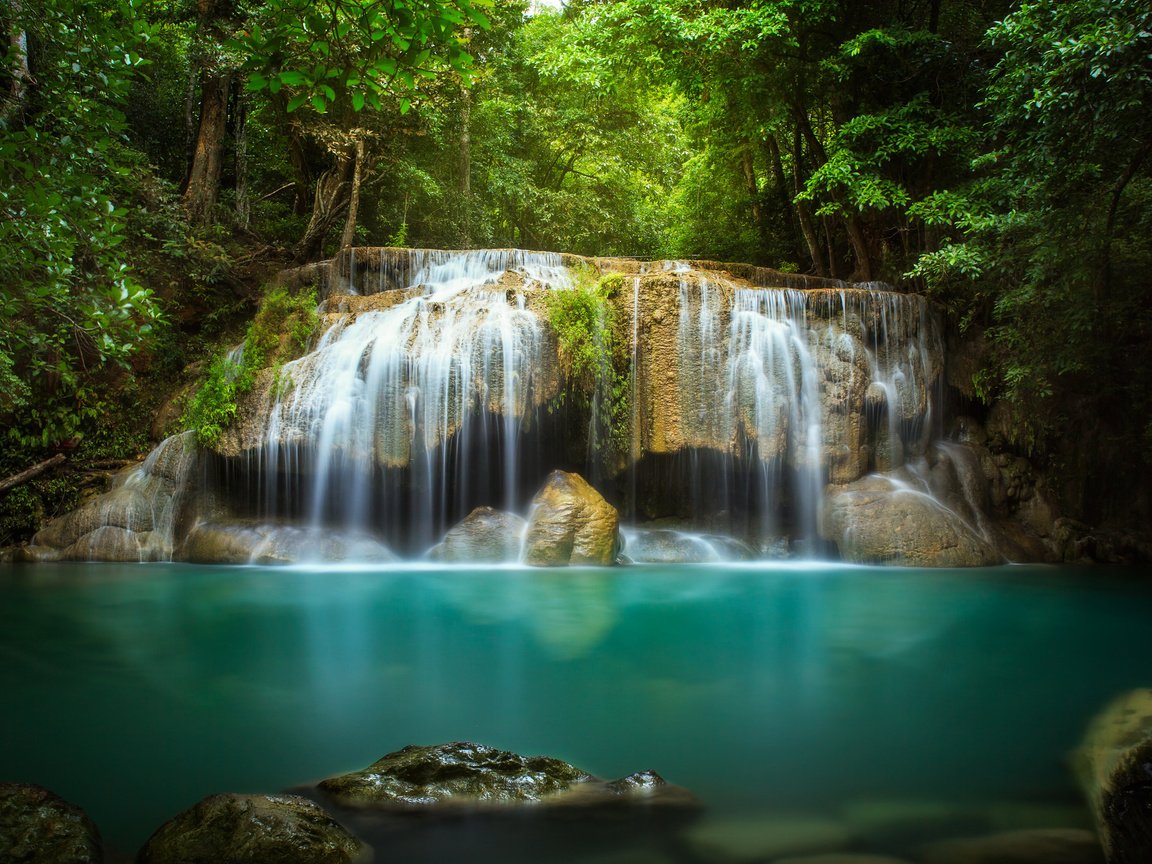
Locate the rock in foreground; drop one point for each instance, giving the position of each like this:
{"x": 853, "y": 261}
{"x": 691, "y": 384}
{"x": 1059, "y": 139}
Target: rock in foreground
{"x": 462, "y": 774}
{"x": 1112, "y": 765}
{"x": 571, "y": 523}
{"x": 252, "y": 829}
{"x": 39, "y": 827}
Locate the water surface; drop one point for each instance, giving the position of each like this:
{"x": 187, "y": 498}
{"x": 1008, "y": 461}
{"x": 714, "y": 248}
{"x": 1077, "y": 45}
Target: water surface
{"x": 134, "y": 691}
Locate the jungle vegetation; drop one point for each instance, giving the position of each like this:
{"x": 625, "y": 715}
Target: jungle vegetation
{"x": 160, "y": 158}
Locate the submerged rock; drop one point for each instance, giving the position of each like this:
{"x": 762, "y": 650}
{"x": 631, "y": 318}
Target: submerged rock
{"x": 749, "y": 840}
{"x": 468, "y": 775}
{"x": 1042, "y": 846}
{"x": 570, "y": 523}
{"x": 252, "y": 829}
{"x": 457, "y": 773}
{"x": 261, "y": 543}
{"x": 37, "y": 826}
{"x": 668, "y": 546}
{"x": 485, "y": 535}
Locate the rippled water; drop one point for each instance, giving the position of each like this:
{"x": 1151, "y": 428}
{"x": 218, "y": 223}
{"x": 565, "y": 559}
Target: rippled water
{"x": 774, "y": 693}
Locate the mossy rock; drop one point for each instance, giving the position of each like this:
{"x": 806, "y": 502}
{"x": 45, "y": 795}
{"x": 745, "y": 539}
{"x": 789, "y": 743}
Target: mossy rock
{"x": 37, "y": 826}
{"x": 252, "y": 829}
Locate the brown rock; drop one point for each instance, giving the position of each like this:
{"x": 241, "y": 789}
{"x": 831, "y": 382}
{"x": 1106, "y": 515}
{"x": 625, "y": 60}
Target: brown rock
{"x": 484, "y": 535}
{"x": 1041, "y": 846}
{"x": 39, "y": 827}
{"x": 252, "y": 829}
{"x": 570, "y": 523}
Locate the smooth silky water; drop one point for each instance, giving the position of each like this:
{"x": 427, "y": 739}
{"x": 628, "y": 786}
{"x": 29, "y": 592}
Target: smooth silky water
{"x": 773, "y": 692}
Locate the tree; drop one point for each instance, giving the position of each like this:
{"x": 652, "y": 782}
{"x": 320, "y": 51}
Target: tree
{"x": 340, "y": 58}
{"x": 69, "y": 306}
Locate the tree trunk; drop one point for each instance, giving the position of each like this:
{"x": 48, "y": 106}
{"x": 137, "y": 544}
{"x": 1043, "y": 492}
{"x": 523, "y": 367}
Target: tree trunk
{"x": 466, "y": 170}
{"x": 859, "y": 247}
{"x": 26, "y": 475}
{"x": 802, "y": 212}
{"x": 328, "y": 203}
{"x": 21, "y": 74}
{"x": 753, "y": 187}
{"x": 1111, "y": 765}
{"x": 240, "y": 133}
{"x": 348, "y": 238}
{"x": 203, "y": 184}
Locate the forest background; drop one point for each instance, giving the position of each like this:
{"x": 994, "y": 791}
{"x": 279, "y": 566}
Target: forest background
{"x": 160, "y": 160}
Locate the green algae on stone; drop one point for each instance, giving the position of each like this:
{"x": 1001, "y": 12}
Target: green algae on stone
{"x": 252, "y": 829}
{"x": 456, "y": 773}
{"x": 37, "y": 826}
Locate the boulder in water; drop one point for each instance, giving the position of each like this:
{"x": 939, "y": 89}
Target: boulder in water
{"x": 136, "y": 519}
{"x": 243, "y": 542}
{"x": 39, "y": 827}
{"x": 252, "y": 829}
{"x": 667, "y": 546}
{"x": 1037, "y": 846}
{"x": 485, "y": 535}
{"x": 570, "y": 523}
{"x": 886, "y": 520}
{"x": 465, "y": 775}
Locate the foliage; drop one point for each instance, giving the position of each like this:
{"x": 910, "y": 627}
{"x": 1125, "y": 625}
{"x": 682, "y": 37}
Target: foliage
{"x": 281, "y": 330}
{"x": 70, "y": 306}
{"x": 361, "y": 51}
{"x": 583, "y": 319}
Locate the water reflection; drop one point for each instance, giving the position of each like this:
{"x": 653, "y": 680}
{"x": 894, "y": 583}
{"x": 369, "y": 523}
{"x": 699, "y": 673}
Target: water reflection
{"x": 136, "y": 691}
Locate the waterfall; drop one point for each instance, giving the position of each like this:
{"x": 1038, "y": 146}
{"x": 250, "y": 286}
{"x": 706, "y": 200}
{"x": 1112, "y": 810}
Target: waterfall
{"x": 401, "y": 417}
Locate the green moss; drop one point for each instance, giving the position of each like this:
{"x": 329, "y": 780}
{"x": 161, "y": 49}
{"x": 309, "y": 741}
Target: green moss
{"x": 591, "y": 353}
{"x": 280, "y": 331}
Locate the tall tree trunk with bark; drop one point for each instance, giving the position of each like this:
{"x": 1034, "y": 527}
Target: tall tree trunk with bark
{"x": 466, "y": 170}
{"x": 19, "y": 72}
{"x": 328, "y": 202}
{"x": 752, "y": 185}
{"x": 203, "y": 186}
{"x": 348, "y": 238}
{"x": 802, "y": 213}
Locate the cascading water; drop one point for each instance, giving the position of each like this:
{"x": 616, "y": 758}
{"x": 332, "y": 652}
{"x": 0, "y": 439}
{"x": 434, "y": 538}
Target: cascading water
{"x": 403, "y": 417}
{"x": 784, "y": 382}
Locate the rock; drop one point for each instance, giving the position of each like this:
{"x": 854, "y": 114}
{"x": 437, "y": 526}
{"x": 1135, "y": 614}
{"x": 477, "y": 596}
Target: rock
{"x": 242, "y": 542}
{"x": 842, "y": 858}
{"x": 39, "y": 827}
{"x": 885, "y": 520}
{"x": 743, "y": 841}
{"x": 457, "y": 773}
{"x": 484, "y": 535}
{"x": 905, "y": 823}
{"x": 666, "y": 546}
{"x": 136, "y": 519}
{"x": 252, "y": 829}
{"x": 1040, "y": 846}
{"x": 1112, "y": 765}
{"x": 570, "y": 523}
{"x": 464, "y": 775}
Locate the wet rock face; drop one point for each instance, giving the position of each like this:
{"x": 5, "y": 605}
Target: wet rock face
{"x": 667, "y": 546}
{"x": 874, "y": 521}
{"x": 571, "y": 523}
{"x": 252, "y": 829}
{"x": 485, "y": 535}
{"x": 136, "y": 519}
{"x": 469, "y": 775}
{"x": 39, "y": 827}
{"x": 457, "y": 773}
{"x": 257, "y": 543}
